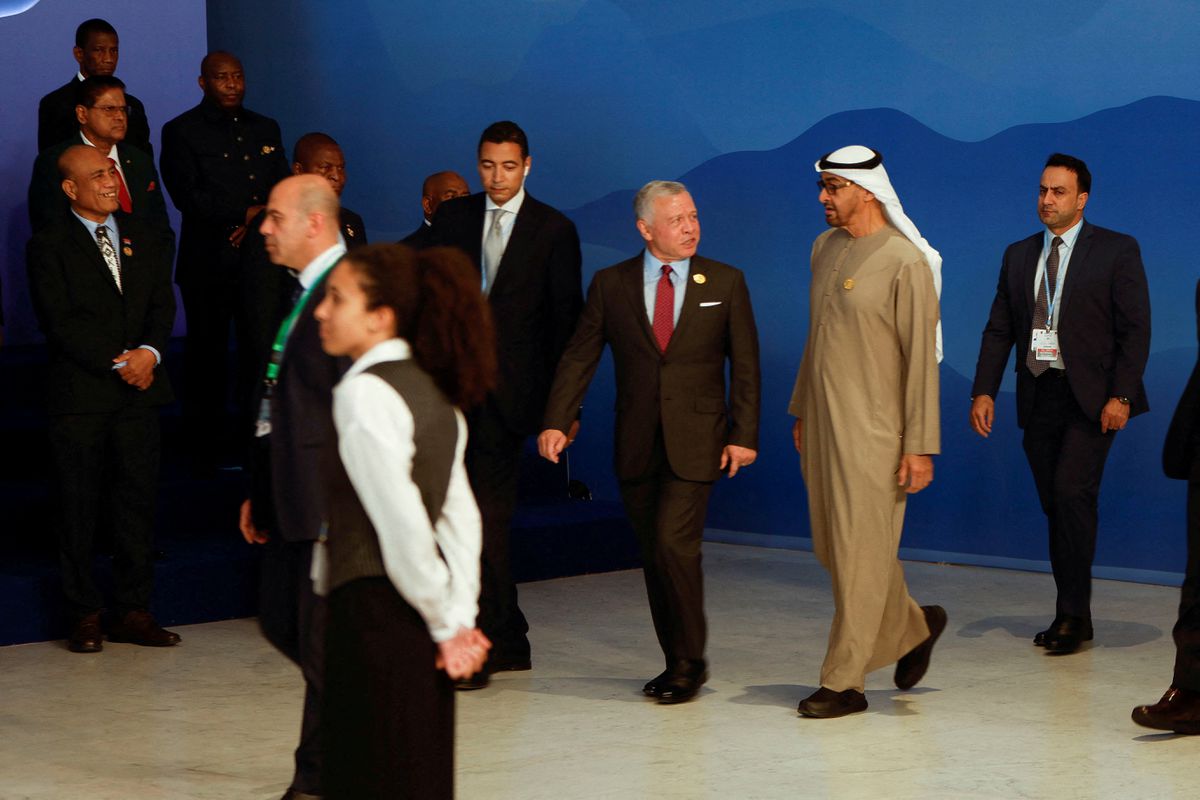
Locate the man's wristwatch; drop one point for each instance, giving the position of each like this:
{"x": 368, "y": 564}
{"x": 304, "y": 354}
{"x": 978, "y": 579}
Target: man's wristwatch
{"x": 1122, "y": 400}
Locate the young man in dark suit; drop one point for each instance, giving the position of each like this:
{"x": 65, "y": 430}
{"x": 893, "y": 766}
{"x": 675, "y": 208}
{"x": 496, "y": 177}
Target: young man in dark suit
{"x": 97, "y": 51}
{"x": 286, "y": 507}
{"x": 101, "y": 289}
{"x": 101, "y": 111}
{"x": 529, "y": 265}
{"x": 1179, "y": 708}
{"x": 674, "y": 321}
{"x": 1073, "y": 300}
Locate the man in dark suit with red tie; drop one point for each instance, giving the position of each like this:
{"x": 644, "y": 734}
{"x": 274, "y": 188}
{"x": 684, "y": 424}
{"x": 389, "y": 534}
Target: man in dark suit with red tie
{"x": 101, "y": 111}
{"x": 101, "y": 289}
{"x": 529, "y": 261}
{"x": 1073, "y": 300}
{"x": 674, "y": 320}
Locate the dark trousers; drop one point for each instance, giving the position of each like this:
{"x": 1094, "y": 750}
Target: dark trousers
{"x": 1187, "y": 627}
{"x": 1066, "y": 452}
{"x": 293, "y": 618}
{"x": 106, "y": 465}
{"x": 389, "y": 713}
{"x": 213, "y": 308}
{"x": 492, "y": 459}
{"x": 667, "y": 514}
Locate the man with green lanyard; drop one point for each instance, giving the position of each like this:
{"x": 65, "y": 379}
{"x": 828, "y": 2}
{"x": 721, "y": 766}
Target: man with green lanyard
{"x": 285, "y": 507}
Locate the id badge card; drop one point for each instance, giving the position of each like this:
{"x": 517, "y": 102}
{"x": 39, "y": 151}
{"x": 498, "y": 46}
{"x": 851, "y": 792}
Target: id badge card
{"x": 1044, "y": 344}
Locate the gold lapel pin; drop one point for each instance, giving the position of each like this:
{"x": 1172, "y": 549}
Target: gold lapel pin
{"x": 848, "y": 284}
{"x": 350, "y": 231}
{"x": 699, "y": 278}
{"x": 127, "y": 250}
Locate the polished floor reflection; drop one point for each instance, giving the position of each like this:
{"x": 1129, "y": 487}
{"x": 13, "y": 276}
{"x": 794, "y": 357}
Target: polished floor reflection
{"x": 995, "y": 718}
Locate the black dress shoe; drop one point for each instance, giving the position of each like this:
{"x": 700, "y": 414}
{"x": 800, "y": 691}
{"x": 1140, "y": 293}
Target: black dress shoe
{"x": 479, "y": 680}
{"x": 1066, "y": 636}
{"x": 827, "y": 704}
{"x": 682, "y": 683}
{"x": 653, "y": 687}
{"x": 1039, "y": 638}
{"x": 139, "y": 627}
{"x": 87, "y": 636}
{"x": 509, "y": 664}
{"x": 912, "y": 665}
{"x": 1178, "y": 711}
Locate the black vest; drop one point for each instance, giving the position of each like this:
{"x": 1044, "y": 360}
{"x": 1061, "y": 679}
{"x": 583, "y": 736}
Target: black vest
{"x": 353, "y": 545}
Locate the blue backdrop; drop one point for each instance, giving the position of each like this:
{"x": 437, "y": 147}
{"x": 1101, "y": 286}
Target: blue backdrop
{"x": 965, "y": 100}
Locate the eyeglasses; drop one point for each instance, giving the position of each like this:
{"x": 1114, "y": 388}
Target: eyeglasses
{"x": 832, "y": 188}
{"x": 113, "y": 111}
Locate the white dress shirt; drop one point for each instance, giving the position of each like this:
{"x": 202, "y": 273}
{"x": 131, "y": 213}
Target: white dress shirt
{"x": 375, "y": 442}
{"x": 506, "y": 225}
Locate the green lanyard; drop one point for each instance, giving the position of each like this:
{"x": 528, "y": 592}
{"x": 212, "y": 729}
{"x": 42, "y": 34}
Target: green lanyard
{"x": 289, "y": 322}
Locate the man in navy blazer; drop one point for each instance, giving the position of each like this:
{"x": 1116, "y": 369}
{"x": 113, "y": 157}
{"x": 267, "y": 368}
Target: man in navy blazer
{"x": 101, "y": 289}
{"x": 674, "y": 321}
{"x": 1073, "y": 300}
{"x": 529, "y": 261}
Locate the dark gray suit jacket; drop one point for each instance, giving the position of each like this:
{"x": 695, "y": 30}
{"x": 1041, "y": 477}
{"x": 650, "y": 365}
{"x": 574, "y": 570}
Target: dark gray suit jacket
{"x": 684, "y": 387}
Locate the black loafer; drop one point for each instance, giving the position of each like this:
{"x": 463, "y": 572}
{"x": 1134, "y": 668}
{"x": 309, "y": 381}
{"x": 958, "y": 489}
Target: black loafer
{"x": 654, "y": 686}
{"x": 828, "y": 704}
{"x": 912, "y": 665}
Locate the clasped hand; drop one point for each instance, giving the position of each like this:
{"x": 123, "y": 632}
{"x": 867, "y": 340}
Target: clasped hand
{"x": 464, "y": 654}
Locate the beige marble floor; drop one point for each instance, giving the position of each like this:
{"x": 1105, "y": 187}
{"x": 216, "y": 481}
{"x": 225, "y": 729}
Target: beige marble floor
{"x": 995, "y": 718}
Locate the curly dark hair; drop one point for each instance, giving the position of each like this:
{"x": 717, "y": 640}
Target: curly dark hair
{"x": 439, "y": 310}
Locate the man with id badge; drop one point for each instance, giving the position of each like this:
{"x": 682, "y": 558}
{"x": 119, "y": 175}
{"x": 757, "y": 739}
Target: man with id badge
{"x": 286, "y": 506}
{"x": 1073, "y": 300}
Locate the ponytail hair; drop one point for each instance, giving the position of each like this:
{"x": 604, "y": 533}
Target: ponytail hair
{"x": 439, "y": 310}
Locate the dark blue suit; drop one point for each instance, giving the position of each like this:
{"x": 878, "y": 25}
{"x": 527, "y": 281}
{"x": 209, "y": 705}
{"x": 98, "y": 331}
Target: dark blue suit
{"x": 1104, "y": 334}
{"x": 1181, "y": 460}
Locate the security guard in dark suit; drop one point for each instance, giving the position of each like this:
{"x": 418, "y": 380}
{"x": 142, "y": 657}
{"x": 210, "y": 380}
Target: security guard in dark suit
{"x": 97, "y": 50}
{"x": 219, "y": 162}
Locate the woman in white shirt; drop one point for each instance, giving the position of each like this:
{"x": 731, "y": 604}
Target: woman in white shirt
{"x": 400, "y": 565}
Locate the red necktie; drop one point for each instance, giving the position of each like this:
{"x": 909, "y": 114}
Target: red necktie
{"x": 664, "y": 309}
{"x": 122, "y": 193}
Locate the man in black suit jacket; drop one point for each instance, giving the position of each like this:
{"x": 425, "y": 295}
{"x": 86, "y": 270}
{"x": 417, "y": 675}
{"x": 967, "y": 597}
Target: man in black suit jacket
{"x": 219, "y": 162}
{"x": 97, "y": 51}
{"x": 1179, "y": 708}
{"x": 437, "y": 188}
{"x": 101, "y": 289}
{"x": 267, "y": 292}
{"x": 101, "y": 114}
{"x": 673, "y": 320}
{"x": 530, "y": 272}
{"x": 1074, "y": 301}
{"x": 286, "y": 506}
